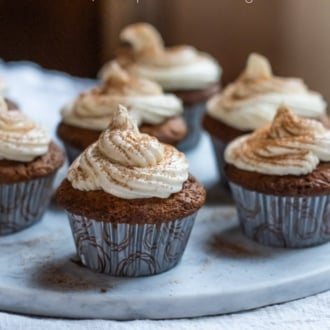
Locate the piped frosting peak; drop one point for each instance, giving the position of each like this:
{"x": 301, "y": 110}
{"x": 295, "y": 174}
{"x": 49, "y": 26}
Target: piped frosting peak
{"x": 288, "y": 146}
{"x": 252, "y": 100}
{"x": 129, "y": 164}
{"x": 145, "y": 100}
{"x": 21, "y": 139}
{"x": 174, "y": 68}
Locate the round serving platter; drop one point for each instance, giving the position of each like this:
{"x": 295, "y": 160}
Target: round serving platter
{"x": 221, "y": 272}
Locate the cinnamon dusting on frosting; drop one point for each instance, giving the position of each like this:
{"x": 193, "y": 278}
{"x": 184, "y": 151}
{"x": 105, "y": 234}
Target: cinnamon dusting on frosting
{"x": 120, "y": 82}
{"x": 258, "y": 67}
{"x": 174, "y": 68}
{"x": 145, "y": 100}
{"x": 149, "y": 40}
{"x": 20, "y": 138}
{"x": 128, "y": 164}
{"x": 148, "y": 47}
{"x": 252, "y": 100}
{"x": 290, "y": 145}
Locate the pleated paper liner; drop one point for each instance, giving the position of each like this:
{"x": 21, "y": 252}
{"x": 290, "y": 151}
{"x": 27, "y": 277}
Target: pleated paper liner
{"x": 130, "y": 249}
{"x": 283, "y": 221}
{"x": 22, "y": 204}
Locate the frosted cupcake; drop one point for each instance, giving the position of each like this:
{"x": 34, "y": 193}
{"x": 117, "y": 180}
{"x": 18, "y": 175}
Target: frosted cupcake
{"x": 156, "y": 113}
{"x": 28, "y": 163}
{"x": 191, "y": 75}
{"x": 252, "y": 101}
{"x": 280, "y": 179}
{"x": 130, "y": 201}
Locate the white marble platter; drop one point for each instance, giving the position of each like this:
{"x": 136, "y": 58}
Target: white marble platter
{"x": 221, "y": 270}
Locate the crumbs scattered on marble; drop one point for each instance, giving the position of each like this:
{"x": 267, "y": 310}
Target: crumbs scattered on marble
{"x": 232, "y": 244}
{"x": 62, "y": 275}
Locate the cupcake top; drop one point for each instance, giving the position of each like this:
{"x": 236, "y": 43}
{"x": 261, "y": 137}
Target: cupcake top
{"x": 21, "y": 139}
{"x": 145, "y": 100}
{"x": 252, "y": 100}
{"x": 290, "y": 145}
{"x": 175, "y": 68}
{"x": 128, "y": 164}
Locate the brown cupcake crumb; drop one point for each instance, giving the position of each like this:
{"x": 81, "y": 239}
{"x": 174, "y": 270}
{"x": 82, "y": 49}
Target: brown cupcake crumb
{"x": 220, "y": 130}
{"x": 13, "y": 171}
{"x": 312, "y": 184}
{"x": 101, "y": 206}
{"x": 190, "y": 97}
{"x": 172, "y": 131}
{"x": 227, "y": 133}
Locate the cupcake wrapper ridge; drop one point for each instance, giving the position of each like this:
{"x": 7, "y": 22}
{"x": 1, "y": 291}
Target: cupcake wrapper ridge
{"x": 24, "y": 203}
{"x": 283, "y": 221}
{"x": 219, "y": 148}
{"x": 192, "y": 115}
{"x": 130, "y": 249}
{"x": 71, "y": 152}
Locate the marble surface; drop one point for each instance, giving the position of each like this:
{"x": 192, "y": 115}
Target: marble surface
{"x": 221, "y": 271}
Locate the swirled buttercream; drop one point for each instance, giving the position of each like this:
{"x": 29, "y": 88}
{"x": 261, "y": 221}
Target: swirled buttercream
{"x": 290, "y": 145}
{"x": 145, "y": 100}
{"x": 128, "y": 164}
{"x": 175, "y": 68}
{"x": 252, "y": 100}
{"x": 20, "y": 138}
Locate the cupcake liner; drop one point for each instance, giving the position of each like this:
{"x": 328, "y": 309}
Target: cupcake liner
{"x": 192, "y": 115}
{"x": 71, "y": 152}
{"x": 23, "y": 204}
{"x": 130, "y": 249}
{"x": 283, "y": 221}
{"x": 219, "y": 148}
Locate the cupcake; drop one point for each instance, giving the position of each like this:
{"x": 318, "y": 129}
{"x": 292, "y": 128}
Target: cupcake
{"x": 3, "y": 93}
{"x": 280, "y": 179}
{"x": 156, "y": 113}
{"x": 28, "y": 163}
{"x": 191, "y": 75}
{"x": 130, "y": 201}
{"x": 251, "y": 102}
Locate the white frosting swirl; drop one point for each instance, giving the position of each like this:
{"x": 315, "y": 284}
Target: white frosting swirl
{"x": 145, "y": 100}
{"x": 289, "y": 146}
{"x": 175, "y": 68}
{"x": 20, "y": 138}
{"x": 128, "y": 164}
{"x": 252, "y": 100}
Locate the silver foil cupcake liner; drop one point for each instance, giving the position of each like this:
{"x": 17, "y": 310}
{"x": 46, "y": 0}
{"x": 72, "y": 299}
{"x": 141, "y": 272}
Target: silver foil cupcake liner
{"x": 282, "y": 221}
{"x": 192, "y": 115}
{"x": 130, "y": 249}
{"x": 219, "y": 149}
{"x": 71, "y": 152}
{"x": 23, "y": 204}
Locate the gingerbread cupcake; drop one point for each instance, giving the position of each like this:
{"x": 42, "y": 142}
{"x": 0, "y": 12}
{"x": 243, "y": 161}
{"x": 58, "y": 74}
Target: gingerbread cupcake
{"x": 182, "y": 70}
{"x": 130, "y": 201}
{"x": 280, "y": 179}
{"x": 252, "y": 101}
{"x": 156, "y": 113}
{"x": 28, "y": 163}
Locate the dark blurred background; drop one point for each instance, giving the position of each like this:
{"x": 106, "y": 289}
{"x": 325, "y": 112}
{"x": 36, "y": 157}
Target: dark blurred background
{"x": 77, "y": 36}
